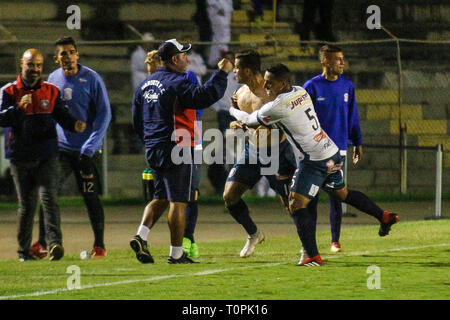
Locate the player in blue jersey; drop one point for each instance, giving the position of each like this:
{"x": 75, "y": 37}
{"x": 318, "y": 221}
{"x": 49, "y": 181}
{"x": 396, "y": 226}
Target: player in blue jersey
{"x": 84, "y": 92}
{"x": 333, "y": 96}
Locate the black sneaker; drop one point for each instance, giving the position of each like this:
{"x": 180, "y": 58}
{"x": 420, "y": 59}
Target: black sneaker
{"x": 182, "y": 260}
{"x": 389, "y": 219}
{"x": 26, "y": 257}
{"x": 139, "y": 246}
{"x": 56, "y": 252}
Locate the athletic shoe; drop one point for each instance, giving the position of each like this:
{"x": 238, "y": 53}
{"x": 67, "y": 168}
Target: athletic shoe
{"x": 251, "y": 243}
{"x": 26, "y": 257}
{"x": 315, "y": 261}
{"x": 389, "y": 219}
{"x": 304, "y": 254}
{"x": 37, "y": 250}
{"x": 182, "y": 260}
{"x": 56, "y": 252}
{"x": 139, "y": 246}
{"x": 186, "y": 245}
{"x": 335, "y": 247}
{"x": 194, "y": 253}
{"x": 98, "y": 252}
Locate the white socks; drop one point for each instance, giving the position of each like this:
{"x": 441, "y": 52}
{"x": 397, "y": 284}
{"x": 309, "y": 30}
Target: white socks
{"x": 176, "y": 252}
{"x": 143, "y": 232}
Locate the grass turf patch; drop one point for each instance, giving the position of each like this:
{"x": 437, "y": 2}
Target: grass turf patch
{"x": 413, "y": 262}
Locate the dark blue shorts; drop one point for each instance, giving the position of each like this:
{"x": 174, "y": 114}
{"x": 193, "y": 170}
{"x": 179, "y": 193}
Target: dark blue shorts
{"x": 249, "y": 173}
{"x": 313, "y": 175}
{"x": 173, "y": 182}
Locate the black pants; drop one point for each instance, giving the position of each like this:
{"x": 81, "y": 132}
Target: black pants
{"x": 89, "y": 189}
{"x": 324, "y": 29}
{"x": 33, "y": 180}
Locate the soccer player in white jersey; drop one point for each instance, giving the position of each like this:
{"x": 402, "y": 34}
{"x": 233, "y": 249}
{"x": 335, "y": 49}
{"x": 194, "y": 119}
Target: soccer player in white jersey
{"x": 320, "y": 162}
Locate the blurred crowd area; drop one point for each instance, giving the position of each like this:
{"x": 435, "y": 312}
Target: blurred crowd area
{"x": 114, "y": 37}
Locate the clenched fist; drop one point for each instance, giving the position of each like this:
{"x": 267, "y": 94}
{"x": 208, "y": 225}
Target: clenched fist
{"x": 25, "y": 101}
{"x": 238, "y": 125}
{"x": 225, "y": 65}
{"x": 80, "y": 126}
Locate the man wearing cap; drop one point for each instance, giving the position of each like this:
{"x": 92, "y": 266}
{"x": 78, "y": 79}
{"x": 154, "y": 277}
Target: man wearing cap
{"x": 160, "y": 103}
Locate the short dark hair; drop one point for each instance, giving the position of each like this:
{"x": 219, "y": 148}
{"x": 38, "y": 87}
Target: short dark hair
{"x": 65, "y": 40}
{"x": 280, "y": 71}
{"x": 250, "y": 59}
{"x": 326, "y": 49}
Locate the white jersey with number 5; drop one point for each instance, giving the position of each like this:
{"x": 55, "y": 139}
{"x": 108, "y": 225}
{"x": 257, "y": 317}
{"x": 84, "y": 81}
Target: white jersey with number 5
{"x": 293, "y": 112}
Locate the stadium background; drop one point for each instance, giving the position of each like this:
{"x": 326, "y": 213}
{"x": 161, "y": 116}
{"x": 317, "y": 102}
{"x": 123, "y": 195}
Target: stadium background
{"x": 106, "y": 41}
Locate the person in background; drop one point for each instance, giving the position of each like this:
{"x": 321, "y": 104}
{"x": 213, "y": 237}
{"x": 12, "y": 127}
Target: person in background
{"x": 219, "y": 12}
{"x": 138, "y": 67}
{"x": 84, "y": 92}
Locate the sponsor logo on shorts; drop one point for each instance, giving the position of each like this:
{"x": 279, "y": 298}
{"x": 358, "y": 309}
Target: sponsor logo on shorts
{"x": 313, "y": 190}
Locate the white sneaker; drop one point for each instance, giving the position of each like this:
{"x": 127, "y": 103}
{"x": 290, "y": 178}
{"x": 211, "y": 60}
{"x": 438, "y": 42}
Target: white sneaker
{"x": 304, "y": 255}
{"x": 335, "y": 247}
{"x": 251, "y": 243}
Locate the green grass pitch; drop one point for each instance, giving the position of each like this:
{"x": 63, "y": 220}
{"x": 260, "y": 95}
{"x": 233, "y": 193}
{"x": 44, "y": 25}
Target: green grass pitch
{"x": 413, "y": 263}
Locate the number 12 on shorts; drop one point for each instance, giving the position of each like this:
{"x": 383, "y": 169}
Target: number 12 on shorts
{"x": 313, "y": 190}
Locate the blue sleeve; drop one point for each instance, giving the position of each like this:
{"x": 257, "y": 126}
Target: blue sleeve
{"x": 201, "y": 97}
{"x": 102, "y": 117}
{"x": 136, "y": 111}
{"x": 354, "y": 129}
{"x": 309, "y": 87}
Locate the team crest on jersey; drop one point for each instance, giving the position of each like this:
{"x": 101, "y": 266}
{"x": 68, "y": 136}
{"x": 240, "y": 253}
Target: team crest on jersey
{"x": 346, "y": 97}
{"x": 67, "y": 94}
{"x": 153, "y": 89}
{"x": 45, "y": 104}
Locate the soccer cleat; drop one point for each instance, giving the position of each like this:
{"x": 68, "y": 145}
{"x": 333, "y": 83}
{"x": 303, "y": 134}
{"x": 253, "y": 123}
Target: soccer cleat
{"x": 335, "y": 247}
{"x": 194, "y": 253}
{"x": 56, "y": 252}
{"x": 37, "y": 250}
{"x": 186, "y": 245}
{"x": 98, "y": 252}
{"x": 182, "y": 260}
{"x": 389, "y": 219}
{"x": 139, "y": 246}
{"x": 26, "y": 257}
{"x": 315, "y": 261}
{"x": 251, "y": 243}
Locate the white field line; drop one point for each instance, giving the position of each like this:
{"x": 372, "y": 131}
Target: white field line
{"x": 206, "y": 272}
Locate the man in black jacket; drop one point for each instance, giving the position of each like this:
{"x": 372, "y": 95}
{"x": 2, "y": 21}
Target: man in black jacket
{"x": 30, "y": 106}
